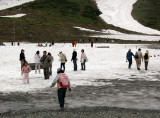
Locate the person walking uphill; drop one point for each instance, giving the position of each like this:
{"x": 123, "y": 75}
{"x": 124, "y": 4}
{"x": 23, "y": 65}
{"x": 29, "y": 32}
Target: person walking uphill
{"x": 83, "y": 60}
{"x": 45, "y": 62}
{"x": 74, "y": 59}
{"x": 63, "y": 60}
{"x": 37, "y": 58}
{"x": 138, "y": 58}
{"x": 63, "y": 83}
{"x": 25, "y": 71}
{"x": 22, "y": 58}
{"x": 146, "y": 59}
{"x": 129, "y": 57}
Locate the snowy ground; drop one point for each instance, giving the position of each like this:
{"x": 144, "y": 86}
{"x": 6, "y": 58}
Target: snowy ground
{"x": 106, "y": 82}
{"x": 103, "y": 63}
{"x": 118, "y": 13}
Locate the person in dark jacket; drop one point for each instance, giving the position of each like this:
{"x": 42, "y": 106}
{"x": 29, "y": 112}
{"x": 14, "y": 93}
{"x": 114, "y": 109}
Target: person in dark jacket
{"x": 129, "y": 57}
{"x": 74, "y": 59}
{"x": 22, "y": 58}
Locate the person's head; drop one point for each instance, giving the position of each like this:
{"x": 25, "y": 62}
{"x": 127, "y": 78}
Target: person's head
{"x": 139, "y": 49}
{"x": 129, "y": 50}
{"x": 147, "y": 51}
{"x": 44, "y": 52}
{"x": 82, "y": 50}
{"x": 49, "y": 54}
{"x": 60, "y": 52}
{"x": 59, "y": 70}
{"x": 22, "y": 51}
{"x": 37, "y": 52}
{"x": 25, "y": 63}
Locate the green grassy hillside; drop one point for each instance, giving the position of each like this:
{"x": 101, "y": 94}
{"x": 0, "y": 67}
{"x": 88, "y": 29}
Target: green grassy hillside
{"x": 48, "y": 20}
{"x": 147, "y": 12}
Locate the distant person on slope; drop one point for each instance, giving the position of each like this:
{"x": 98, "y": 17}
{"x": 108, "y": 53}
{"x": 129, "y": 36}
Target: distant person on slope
{"x": 37, "y": 58}
{"x": 25, "y": 72}
{"x": 63, "y": 83}
{"x": 138, "y": 58}
{"x": 146, "y": 59}
{"x": 129, "y": 58}
{"x": 22, "y": 58}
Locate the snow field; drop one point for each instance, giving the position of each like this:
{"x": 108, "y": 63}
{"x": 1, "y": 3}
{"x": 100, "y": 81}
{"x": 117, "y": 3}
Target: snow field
{"x": 104, "y": 63}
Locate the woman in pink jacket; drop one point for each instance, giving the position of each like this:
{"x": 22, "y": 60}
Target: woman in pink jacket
{"x": 26, "y": 69}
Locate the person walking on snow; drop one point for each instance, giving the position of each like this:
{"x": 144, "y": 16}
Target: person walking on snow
{"x": 72, "y": 43}
{"x": 45, "y": 62}
{"x": 75, "y": 43}
{"x": 146, "y": 59}
{"x": 63, "y": 83}
{"x": 138, "y": 58}
{"x": 22, "y": 58}
{"x": 83, "y": 60}
{"x": 74, "y": 59}
{"x": 25, "y": 72}
{"x": 50, "y": 63}
{"x": 63, "y": 60}
{"x": 129, "y": 58}
{"x": 37, "y": 58}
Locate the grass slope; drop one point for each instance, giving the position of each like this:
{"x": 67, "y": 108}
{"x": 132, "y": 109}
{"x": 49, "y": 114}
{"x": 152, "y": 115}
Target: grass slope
{"x": 147, "y": 12}
{"x": 48, "y": 20}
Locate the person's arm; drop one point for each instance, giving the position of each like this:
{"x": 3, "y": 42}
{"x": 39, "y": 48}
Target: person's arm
{"x": 55, "y": 81}
{"x": 29, "y": 69}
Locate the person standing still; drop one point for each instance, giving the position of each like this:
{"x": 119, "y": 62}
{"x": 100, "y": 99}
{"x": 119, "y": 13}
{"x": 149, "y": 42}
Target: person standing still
{"x": 63, "y": 60}
{"x": 22, "y": 58}
{"x": 37, "y": 58}
{"x": 138, "y": 58}
{"x": 50, "y": 63}
{"x": 74, "y": 59}
{"x": 45, "y": 62}
{"x": 83, "y": 60}
{"x": 146, "y": 59}
{"x": 129, "y": 58}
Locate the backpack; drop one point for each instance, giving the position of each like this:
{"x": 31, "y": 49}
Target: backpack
{"x": 64, "y": 81}
{"x": 146, "y": 56}
{"x": 136, "y": 56}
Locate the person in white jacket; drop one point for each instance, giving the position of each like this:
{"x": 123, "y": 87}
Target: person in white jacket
{"x": 37, "y": 58}
{"x": 83, "y": 60}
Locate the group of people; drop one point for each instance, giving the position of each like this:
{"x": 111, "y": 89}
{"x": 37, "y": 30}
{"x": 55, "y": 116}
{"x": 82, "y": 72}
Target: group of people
{"x": 74, "y": 43}
{"x": 139, "y": 57}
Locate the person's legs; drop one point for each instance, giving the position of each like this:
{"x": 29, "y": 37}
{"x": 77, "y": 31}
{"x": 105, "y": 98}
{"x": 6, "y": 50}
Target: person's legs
{"x": 36, "y": 67}
{"x": 63, "y": 65}
{"x": 130, "y": 63}
{"x": 39, "y": 67}
{"x": 60, "y": 97}
{"x": 75, "y": 64}
{"x": 47, "y": 72}
{"x": 146, "y": 65}
{"x": 45, "y": 75}
{"x": 27, "y": 77}
{"x": 84, "y": 64}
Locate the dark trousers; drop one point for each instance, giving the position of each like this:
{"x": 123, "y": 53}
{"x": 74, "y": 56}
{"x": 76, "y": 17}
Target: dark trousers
{"x": 63, "y": 65}
{"x": 46, "y": 73}
{"x": 130, "y": 63}
{"x": 146, "y": 65}
{"x": 75, "y": 64}
{"x": 61, "y": 96}
{"x": 83, "y": 65}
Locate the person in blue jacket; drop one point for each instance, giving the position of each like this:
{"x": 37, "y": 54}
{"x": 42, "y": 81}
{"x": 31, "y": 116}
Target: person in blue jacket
{"x": 129, "y": 58}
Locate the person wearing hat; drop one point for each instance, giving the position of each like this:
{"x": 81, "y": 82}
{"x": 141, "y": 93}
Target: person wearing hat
{"x": 22, "y": 58}
{"x": 138, "y": 58}
{"x": 74, "y": 59}
{"x": 129, "y": 58}
{"x": 63, "y": 59}
{"x": 146, "y": 59}
{"x": 61, "y": 89}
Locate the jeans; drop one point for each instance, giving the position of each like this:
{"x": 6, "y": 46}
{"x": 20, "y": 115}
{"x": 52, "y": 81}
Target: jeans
{"x": 61, "y": 96}
{"x": 146, "y": 65}
{"x": 130, "y": 63}
{"x": 83, "y": 65}
{"x": 75, "y": 64}
{"x": 63, "y": 65}
{"x": 50, "y": 71}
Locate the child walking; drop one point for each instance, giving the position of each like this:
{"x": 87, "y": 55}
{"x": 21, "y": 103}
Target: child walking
{"x": 26, "y": 69}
